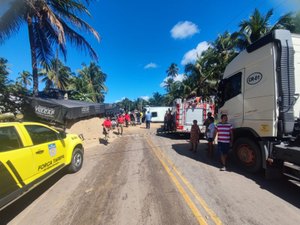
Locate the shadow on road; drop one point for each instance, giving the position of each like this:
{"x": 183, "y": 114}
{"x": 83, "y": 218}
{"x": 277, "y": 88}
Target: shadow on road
{"x": 11, "y": 211}
{"x": 103, "y": 141}
{"x": 280, "y": 187}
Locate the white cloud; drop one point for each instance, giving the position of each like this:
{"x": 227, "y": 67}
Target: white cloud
{"x": 184, "y": 29}
{"x": 191, "y": 56}
{"x": 146, "y": 98}
{"x": 179, "y": 77}
{"x": 150, "y": 66}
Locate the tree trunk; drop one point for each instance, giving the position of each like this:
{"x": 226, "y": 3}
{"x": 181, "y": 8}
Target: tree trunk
{"x": 35, "y": 77}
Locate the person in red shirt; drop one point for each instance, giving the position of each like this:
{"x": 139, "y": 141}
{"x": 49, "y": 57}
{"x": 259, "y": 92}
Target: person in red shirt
{"x": 127, "y": 119}
{"x": 106, "y": 128}
{"x": 120, "y": 125}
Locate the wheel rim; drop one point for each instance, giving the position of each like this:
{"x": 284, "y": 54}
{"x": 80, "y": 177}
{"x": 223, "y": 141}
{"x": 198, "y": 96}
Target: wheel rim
{"x": 77, "y": 160}
{"x": 246, "y": 154}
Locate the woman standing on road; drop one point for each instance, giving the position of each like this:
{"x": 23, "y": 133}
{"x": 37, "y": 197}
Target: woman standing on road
{"x": 195, "y": 136}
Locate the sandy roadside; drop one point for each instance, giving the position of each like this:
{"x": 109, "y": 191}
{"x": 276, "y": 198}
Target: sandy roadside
{"x": 91, "y": 129}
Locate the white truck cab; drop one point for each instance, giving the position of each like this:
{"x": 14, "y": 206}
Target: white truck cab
{"x": 260, "y": 94}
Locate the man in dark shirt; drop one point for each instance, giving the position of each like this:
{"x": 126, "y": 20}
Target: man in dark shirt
{"x": 207, "y": 122}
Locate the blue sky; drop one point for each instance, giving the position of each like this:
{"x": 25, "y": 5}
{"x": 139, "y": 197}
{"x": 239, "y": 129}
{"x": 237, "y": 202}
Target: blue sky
{"x": 140, "y": 39}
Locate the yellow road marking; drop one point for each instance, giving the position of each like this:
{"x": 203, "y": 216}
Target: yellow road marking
{"x": 213, "y": 215}
{"x": 188, "y": 200}
{"x": 194, "y": 192}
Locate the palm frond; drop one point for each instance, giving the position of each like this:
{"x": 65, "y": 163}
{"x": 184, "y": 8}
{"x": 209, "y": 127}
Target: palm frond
{"x": 55, "y": 22}
{"x": 81, "y": 24}
{"x": 12, "y": 19}
{"x": 52, "y": 38}
{"x": 43, "y": 48}
{"x": 79, "y": 41}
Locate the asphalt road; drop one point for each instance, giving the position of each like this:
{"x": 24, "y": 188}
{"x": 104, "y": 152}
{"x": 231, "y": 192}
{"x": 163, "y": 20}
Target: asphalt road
{"x": 144, "y": 178}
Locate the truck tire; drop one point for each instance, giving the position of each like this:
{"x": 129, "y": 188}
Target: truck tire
{"x": 248, "y": 155}
{"x": 77, "y": 160}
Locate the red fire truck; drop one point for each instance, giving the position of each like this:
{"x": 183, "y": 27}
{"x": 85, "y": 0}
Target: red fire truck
{"x": 187, "y": 110}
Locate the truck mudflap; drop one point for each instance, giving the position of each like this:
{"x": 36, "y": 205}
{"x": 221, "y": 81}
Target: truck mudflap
{"x": 286, "y": 153}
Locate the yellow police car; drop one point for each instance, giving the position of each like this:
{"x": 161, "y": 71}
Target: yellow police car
{"x": 32, "y": 152}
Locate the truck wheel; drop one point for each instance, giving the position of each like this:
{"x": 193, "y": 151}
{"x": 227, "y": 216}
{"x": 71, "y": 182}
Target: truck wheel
{"x": 248, "y": 155}
{"x": 77, "y": 160}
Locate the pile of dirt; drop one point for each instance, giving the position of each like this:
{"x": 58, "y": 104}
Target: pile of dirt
{"x": 91, "y": 130}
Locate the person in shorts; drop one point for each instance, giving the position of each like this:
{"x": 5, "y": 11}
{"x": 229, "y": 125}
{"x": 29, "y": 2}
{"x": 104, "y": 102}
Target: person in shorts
{"x": 225, "y": 138}
{"x": 120, "y": 122}
{"x": 210, "y": 137}
{"x": 207, "y": 122}
{"x": 106, "y": 128}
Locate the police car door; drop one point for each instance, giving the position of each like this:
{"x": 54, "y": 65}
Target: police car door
{"x": 16, "y": 164}
{"x": 48, "y": 150}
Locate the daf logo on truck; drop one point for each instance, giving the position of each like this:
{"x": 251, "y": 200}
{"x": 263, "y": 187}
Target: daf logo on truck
{"x": 254, "y": 78}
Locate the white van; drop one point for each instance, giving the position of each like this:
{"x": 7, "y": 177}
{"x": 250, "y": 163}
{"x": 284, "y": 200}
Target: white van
{"x": 158, "y": 112}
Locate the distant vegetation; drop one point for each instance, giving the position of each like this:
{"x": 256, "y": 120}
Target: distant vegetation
{"x": 48, "y": 33}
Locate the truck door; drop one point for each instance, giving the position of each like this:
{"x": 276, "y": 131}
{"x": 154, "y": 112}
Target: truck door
{"x": 232, "y": 98}
{"x": 48, "y": 150}
{"x": 16, "y": 162}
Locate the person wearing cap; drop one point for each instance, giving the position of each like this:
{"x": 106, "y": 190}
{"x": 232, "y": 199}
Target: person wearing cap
{"x": 106, "y": 128}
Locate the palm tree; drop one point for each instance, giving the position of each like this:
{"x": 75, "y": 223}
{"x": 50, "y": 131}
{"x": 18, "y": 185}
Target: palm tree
{"x": 202, "y": 76}
{"x": 140, "y": 103}
{"x": 56, "y": 75}
{"x": 258, "y": 25}
{"x": 3, "y": 80}
{"x": 290, "y": 22}
{"x": 172, "y": 71}
{"x": 167, "y": 83}
{"x": 157, "y": 99}
{"x": 200, "y": 73}
{"x": 3, "y": 70}
{"x": 49, "y": 25}
{"x": 25, "y": 78}
{"x": 126, "y": 104}
{"x": 224, "y": 50}
{"x": 8, "y": 90}
{"x": 297, "y": 23}
{"x": 187, "y": 87}
{"x": 94, "y": 79}
{"x": 176, "y": 90}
